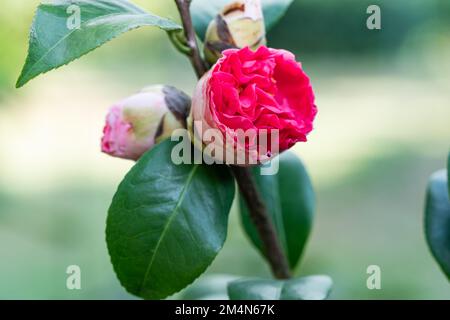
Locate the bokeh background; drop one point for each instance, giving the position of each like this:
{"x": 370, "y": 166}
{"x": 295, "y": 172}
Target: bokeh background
{"x": 383, "y": 127}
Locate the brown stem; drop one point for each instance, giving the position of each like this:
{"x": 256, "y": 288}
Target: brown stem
{"x": 262, "y": 222}
{"x": 247, "y": 186}
{"x": 189, "y": 32}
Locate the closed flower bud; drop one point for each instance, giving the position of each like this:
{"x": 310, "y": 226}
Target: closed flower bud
{"x": 239, "y": 25}
{"x": 136, "y": 124}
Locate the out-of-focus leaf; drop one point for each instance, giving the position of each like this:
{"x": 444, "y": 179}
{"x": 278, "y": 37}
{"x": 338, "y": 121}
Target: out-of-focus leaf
{"x": 437, "y": 219}
{"x": 210, "y": 287}
{"x": 306, "y": 288}
{"x": 448, "y": 174}
{"x": 289, "y": 197}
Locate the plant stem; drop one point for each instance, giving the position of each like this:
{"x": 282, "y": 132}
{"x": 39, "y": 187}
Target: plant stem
{"x": 195, "y": 57}
{"x": 257, "y": 209}
{"x": 258, "y": 213}
{"x": 179, "y": 44}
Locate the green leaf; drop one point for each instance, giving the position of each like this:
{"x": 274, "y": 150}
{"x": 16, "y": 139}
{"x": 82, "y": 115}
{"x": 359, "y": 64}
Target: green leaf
{"x": 306, "y": 288}
{"x": 167, "y": 222}
{"x": 210, "y": 287}
{"x": 203, "y": 11}
{"x": 437, "y": 219}
{"x": 289, "y": 198}
{"x": 55, "y": 42}
{"x": 448, "y": 174}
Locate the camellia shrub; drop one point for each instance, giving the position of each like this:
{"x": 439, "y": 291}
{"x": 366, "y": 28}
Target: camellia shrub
{"x": 195, "y": 154}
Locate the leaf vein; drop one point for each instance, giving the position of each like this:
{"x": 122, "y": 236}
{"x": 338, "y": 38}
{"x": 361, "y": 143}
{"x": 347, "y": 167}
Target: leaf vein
{"x": 175, "y": 212}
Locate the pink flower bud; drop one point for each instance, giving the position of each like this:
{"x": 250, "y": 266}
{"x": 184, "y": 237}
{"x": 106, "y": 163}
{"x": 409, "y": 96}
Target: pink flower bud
{"x": 136, "y": 124}
{"x": 264, "y": 93}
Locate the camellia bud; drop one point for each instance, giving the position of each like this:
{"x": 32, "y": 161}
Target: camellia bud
{"x": 239, "y": 25}
{"x": 136, "y": 124}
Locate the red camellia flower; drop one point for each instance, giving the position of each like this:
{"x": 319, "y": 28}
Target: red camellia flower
{"x": 258, "y": 91}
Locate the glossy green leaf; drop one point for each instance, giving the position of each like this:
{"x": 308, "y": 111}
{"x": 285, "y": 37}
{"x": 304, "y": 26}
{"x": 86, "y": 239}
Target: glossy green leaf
{"x": 55, "y": 39}
{"x": 289, "y": 198}
{"x": 437, "y": 219}
{"x": 306, "y": 288}
{"x": 203, "y": 11}
{"x": 167, "y": 222}
{"x": 210, "y": 287}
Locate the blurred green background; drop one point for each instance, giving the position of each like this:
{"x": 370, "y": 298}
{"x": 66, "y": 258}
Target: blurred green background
{"x": 383, "y": 127}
